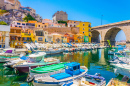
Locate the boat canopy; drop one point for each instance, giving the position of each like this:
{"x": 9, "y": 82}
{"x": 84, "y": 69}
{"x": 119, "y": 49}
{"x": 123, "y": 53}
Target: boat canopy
{"x": 95, "y": 77}
{"x": 24, "y": 58}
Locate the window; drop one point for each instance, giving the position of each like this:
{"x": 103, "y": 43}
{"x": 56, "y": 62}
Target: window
{"x": 83, "y": 32}
{"x": 28, "y": 38}
{"x": 83, "y": 24}
{"x": 18, "y": 38}
{"x": 74, "y": 22}
{"x": 89, "y": 34}
{"x": 18, "y": 23}
{"x": 38, "y": 25}
{"x": 24, "y": 38}
{"x": 89, "y": 25}
{"x": 40, "y": 39}
{"x": 27, "y": 24}
{"x": 89, "y": 29}
{"x": 83, "y": 28}
{"x": 75, "y": 67}
{"x": 23, "y": 24}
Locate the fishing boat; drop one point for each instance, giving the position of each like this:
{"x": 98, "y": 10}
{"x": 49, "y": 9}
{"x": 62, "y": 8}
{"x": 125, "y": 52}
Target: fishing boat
{"x": 72, "y": 71}
{"x": 88, "y": 80}
{"x": 23, "y": 67}
{"x": 48, "y": 69}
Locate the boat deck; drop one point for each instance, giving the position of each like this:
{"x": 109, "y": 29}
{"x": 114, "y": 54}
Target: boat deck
{"x": 52, "y": 79}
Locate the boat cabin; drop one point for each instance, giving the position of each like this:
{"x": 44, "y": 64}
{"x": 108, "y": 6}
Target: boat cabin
{"x": 9, "y": 50}
{"x": 72, "y": 68}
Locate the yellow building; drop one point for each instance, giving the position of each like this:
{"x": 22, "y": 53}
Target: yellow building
{"x": 15, "y": 37}
{"x": 78, "y": 38}
{"x": 39, "y": 24}
{"x": 40, "y": 35}
{"x": 85, "y": 28}
{"x": 28, "y": 35}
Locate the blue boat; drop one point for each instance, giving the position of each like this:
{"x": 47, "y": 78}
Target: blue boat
{"x": 71, "y": 72}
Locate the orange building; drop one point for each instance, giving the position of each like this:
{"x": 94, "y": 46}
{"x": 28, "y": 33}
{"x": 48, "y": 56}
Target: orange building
{"x": 70, "y": 37}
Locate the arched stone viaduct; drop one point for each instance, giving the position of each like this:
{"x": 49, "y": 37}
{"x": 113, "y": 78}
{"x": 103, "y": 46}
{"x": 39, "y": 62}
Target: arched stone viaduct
{"x": 109, "y": 32}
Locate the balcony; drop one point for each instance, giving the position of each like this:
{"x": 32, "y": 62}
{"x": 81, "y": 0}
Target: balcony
{"x": 26, "y": 34}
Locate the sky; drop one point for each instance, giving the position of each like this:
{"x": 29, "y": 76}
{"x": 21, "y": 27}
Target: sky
{"x": 84, "y": 10}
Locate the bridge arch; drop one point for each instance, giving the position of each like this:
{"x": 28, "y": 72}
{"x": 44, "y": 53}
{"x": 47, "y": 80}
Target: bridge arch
{"x": 111, "y": 35}
{"x": 95, "y": 36}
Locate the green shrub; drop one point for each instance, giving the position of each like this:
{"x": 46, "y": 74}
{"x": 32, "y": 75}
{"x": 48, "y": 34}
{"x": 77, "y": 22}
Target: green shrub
{"x": 3, "y": 23}
{"x": 28, "y": 17}
{"x": 64, "y": 22}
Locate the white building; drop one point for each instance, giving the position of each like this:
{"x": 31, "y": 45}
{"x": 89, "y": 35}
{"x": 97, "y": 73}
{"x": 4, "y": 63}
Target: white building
{"x": 4, "y": 36}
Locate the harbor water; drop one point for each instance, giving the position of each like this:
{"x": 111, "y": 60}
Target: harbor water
{"x": 95, "y": 60}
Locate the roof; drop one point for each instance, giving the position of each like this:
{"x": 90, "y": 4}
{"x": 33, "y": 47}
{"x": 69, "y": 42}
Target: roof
{"x": 72, "y": 64}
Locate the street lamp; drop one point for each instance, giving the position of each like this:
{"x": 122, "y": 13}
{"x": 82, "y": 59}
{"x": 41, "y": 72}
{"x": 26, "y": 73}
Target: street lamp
{"x": 101, "y": 19}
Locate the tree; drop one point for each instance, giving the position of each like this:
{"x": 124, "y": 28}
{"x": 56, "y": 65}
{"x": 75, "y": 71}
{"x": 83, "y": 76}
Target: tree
{"x": 28, "y": 17}
{"x": 3, "y": 23}
{"x": 2, "y": 12}
{"x": 64, "y": 22}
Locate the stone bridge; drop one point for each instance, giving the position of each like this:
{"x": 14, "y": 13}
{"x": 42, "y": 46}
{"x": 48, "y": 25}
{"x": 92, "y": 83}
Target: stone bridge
{"x": 109, "y": 32}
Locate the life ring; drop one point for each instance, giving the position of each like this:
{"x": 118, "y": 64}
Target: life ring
{"x": 30, "y": 79}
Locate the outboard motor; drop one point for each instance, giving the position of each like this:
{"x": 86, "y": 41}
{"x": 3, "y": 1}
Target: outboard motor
{"x": 98, "y": 74}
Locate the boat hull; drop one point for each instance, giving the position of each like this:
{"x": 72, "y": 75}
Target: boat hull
{"x": 25, "y": 69}
{"x": 44, "y": 84}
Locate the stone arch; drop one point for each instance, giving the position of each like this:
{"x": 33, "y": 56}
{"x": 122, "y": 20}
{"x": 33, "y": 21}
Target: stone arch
{"x": 111, "y": 34}
{"x": 95, "y": 36}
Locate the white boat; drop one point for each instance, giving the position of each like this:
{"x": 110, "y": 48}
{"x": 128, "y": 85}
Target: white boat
{"x": 88, "y": 80}
{"x": 36, "y": 57}
{"x": 69, "y": 49}
{"x": 111, "y": 52}
{"x": 52, "y": 51}
{"x": 8, "y": 52}
{"x": 123, "y": 69}
{"x": 73, "y": 71}
{"x": 11, "y": 53}
{"x": 14, "y": 61}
